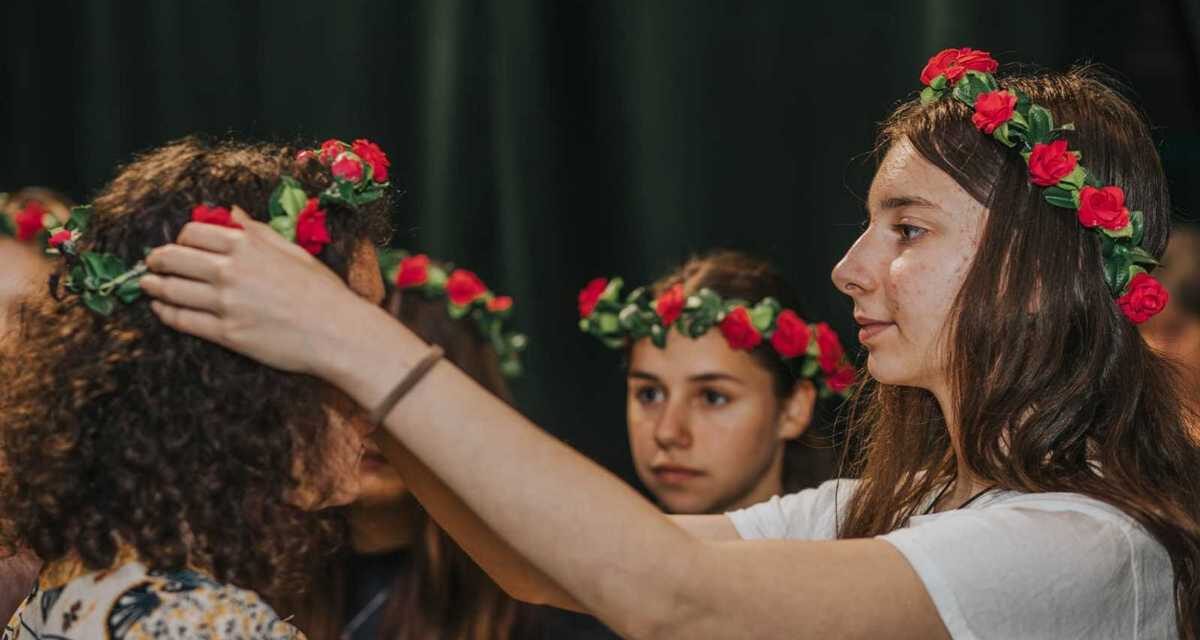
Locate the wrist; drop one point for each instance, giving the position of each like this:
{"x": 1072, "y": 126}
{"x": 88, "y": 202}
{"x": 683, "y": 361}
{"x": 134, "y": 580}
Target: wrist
{"x": 367, "y": 352}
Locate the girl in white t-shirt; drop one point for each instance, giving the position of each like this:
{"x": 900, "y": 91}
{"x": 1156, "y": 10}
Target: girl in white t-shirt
{"x": 1026, "y": 473}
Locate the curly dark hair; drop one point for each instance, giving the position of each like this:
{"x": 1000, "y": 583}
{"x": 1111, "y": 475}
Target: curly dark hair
{"x": 119, "y": 431}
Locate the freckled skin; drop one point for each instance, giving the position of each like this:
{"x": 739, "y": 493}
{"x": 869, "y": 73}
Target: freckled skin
{"x": 732, "y": 430}
{"x": 911, "y": 280}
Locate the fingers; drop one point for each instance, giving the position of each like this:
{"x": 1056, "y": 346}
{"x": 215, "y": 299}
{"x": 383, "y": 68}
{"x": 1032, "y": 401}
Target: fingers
{"x": 210, "y": 237}
{"x": 186, "y": 262}
{"x": 182, "y": 292}
{"x": 198, "y": 323}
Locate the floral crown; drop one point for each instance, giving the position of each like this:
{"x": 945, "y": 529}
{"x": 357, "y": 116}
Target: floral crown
{"x": 360, "y": 176}
{"x": 1009, "y": 116}
{"x": 466, "y": 295}
{"x": 30, "y": 224}
{"x": 810, "y": 351}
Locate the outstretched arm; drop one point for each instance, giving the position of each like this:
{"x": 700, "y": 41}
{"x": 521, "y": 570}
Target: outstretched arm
{"x": 576, "y": 523}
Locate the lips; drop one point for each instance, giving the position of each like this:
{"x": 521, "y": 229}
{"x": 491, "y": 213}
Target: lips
{"x": 870, "y": 327}
{"x": 671, "y": 474}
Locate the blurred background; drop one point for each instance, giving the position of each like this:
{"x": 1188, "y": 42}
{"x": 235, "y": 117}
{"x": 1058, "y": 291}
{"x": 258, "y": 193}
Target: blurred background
{"x": 543, "y": 143}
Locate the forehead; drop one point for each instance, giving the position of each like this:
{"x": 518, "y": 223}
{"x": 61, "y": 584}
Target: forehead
{"x": 684, "y": 357}
{"x": 363, "y": 276}
{"x": 905, "y": 173}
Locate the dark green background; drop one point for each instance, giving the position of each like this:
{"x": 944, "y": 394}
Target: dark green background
{"x": 543, "y": 143}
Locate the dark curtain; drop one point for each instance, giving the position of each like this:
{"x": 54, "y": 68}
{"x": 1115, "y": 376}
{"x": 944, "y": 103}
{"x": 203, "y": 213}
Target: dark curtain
{"x": 541, "y": 143}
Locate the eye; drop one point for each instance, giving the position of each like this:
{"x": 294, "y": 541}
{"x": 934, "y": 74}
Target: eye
{"x": 714, "y": 398}
{"x": 908, "y": 233}
{"x": 649, "y": 395}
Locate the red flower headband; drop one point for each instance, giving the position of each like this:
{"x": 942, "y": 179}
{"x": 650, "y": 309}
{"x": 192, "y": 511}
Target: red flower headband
{"x": 360, "y": 176}
{"x": 812, "y": 351}
{"x": 1010, "y": 117}
{"x": 29, "y": 224}
{"x": 466, "y": 295}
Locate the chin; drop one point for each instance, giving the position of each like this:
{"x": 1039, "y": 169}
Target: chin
{"x": 888, "y": 371}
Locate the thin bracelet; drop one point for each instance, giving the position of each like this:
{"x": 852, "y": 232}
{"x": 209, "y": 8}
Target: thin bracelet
{"x": 414, "y": 376}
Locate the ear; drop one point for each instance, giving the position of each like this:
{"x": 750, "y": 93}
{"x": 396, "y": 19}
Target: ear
{"x": 797, "y": 410}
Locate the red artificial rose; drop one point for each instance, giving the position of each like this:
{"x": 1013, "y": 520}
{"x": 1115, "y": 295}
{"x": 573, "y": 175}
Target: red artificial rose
{"x": 464, "y": 287}
{"x": 831, "y": 348}
{"x": 791, "y": 335}
{"x": 413, "y": 271}
{"x": 841, "y": 379}
{"x": 58, "y": 238}
{"x": 214, "y": 215}
{"x": 330, "y": 149}
{"x": 590, "y": 296}
{"x": 311, "y": 232}
{"x": 1049, "y": 163}
{"x": 348, "y": 168}
{"x": 500, "y": 304}
{"x": 954, "y": 63}
{"x": 373, "y": 156}
{"x": 1144, "y": 298}
{"x": 1103, "y": 207}
{"x": 739, "y": 330}
{"x": 669, "y": 305}
{"x": 993, "y": 109}
{"x": 29, "y": 220}
{"x": 305, "y": 156}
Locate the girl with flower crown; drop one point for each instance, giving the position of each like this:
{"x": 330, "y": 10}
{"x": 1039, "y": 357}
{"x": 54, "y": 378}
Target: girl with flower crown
{"x": 714, "y": 426}
{"x": 166, "y": 483}
{"x": 1025, "y": 469}
{"x": 23, "y": 222}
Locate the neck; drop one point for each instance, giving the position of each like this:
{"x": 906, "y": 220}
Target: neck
{"x": 966, "y": 483}
{"x": 384, "y": 527}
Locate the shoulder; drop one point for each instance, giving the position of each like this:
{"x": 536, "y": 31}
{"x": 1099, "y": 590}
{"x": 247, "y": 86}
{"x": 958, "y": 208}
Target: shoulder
{"x": 1063, "y": 559}
{"x": 129, "y": 603}
{"x": 186, "y": 604}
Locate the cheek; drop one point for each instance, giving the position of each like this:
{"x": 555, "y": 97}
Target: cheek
{"x": 739, "y": 435}
{"x": 921, "y": 291}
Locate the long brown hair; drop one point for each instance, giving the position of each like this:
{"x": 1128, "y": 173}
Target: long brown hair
{"x": 808, "y": 460}
{"x": 1054, "y": 388}
{"x": 443, "y": 593}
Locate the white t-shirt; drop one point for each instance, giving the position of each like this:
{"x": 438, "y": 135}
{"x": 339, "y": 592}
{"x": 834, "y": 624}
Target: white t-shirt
{"x": 1010, "y": 565}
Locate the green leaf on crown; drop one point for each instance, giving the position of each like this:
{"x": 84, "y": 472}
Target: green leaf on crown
{"x": 1124, "y": 232}
{"x": 929, "y": 94}
{"x": 606, "y": 323}
{"x": 1137, "y": 221}
{"x": 810, "y": 368}
{"x": 1060, "y": 197}
{"x": 938, "y": 83}
{"x": 1040, "y": 125}
{"x": 101, "y": 304}
{"x": 1075, "y": 179}
{"x": 7, "y": 228}
{"x": 762, "y": 316}
{"x": 1140, "y": 256}
{"x": 613, "y": 290}
{"x": 458, "y": 311}
{"x": 1116, "y": 269}
{"x": 284, "y": 226}
{"x": 79, "y": 219}
{"x": 288, "y": 199}
{"x": 1003, "y": 133}
{"x": 129, "y": 290}
{"x": 658, "y": 335}
{"x": 103, "y": 266}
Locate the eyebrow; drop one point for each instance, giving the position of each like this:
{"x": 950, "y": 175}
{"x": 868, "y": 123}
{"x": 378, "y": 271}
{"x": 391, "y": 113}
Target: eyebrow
{"x": 712, "y": 376}
{"x": 899, "y": 202}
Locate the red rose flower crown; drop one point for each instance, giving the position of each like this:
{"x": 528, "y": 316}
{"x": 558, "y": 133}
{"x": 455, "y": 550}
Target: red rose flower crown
{"x": 811, "y": 351}
{"x": 360, "y": 176}
{"x": 30, "y": 224}
{"x": 466, "y": 296}
{"x": 1010, "y": 117}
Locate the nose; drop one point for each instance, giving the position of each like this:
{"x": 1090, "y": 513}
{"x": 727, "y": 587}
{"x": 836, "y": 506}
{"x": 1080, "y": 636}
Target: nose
{"x": 672, "y": 430}
{"x": 852, "y": 275}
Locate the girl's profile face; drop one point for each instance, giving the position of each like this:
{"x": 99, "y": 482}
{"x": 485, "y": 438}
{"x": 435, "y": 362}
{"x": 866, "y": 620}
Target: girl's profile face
{"x": 905, "y": 270}
{"x": 705, "y": 425}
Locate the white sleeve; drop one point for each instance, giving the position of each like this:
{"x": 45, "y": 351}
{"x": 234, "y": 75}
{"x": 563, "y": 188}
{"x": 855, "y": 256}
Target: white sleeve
{"x": 805, "y": 515}
{"x": 1014, "y": 572}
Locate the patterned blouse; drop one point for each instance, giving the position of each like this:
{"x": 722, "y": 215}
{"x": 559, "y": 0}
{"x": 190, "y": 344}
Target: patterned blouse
{"x": 130, "y": 603}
